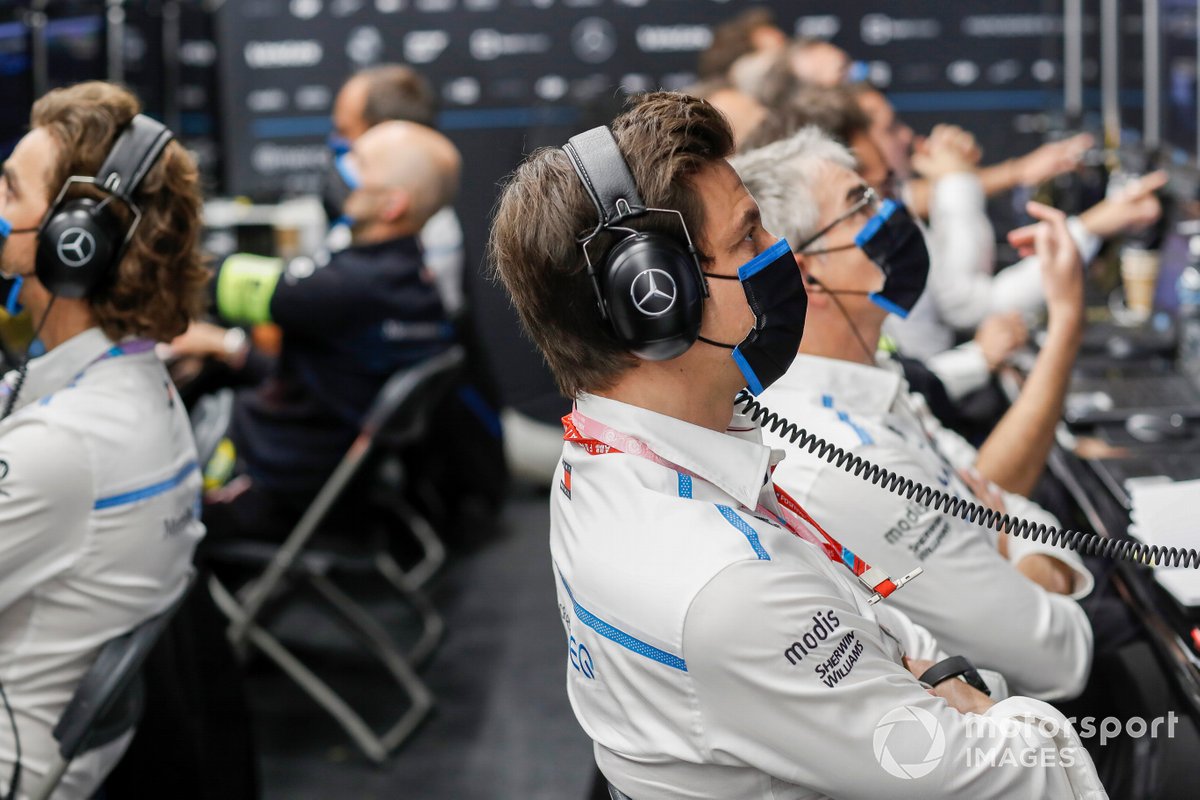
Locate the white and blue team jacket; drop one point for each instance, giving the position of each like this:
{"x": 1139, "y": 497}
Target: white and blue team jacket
{"x": 971, "y": 597}
{"x": 712, "y": 654}
{"x": 99, "y": 500}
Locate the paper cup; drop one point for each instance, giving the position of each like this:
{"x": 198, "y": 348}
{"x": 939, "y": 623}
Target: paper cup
{"x": 1139, "y": 276}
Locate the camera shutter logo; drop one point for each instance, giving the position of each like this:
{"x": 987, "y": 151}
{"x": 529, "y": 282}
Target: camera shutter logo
{"x": 76, "y": 247}
{"x": 904, "y": 716}
{"x": 653, "y": 292}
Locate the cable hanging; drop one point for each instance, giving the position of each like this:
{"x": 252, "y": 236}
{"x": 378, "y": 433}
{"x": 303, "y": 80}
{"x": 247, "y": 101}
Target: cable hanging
{"x": 1085, "y": 543}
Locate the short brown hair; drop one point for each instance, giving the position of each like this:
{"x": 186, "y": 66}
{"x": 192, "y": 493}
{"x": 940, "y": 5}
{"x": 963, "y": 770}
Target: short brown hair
{"x": 397, "y": 92}
{"x": 833, "y": 110}
{"x": 157, "y": 289}
{"x": 665, "y": 138}
{"x": 732, "y": 40}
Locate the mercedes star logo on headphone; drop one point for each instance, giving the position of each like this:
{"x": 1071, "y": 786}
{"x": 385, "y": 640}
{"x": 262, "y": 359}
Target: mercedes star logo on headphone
{"x": 653, "y": 292}
{"x": 76, "y": 247}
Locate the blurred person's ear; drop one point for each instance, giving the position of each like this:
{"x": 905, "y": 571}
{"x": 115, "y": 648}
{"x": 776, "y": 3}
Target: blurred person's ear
{"x": 397, "y": 203}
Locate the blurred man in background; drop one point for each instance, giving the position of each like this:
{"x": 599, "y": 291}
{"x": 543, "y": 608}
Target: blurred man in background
{"x": 962, "y": 289}
{"x": 347, "y": 326}
{"x": 470, "y": 419}
{"x": 816, "y": 62}
{"x": 398, "y": 92}
{"x": 752, "y": 31}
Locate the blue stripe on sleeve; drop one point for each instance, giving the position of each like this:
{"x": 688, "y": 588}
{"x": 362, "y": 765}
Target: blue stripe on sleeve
{"x": 147, "y": 491}
{"x": 744, "y": 527}
{"x": 621, "y": 637}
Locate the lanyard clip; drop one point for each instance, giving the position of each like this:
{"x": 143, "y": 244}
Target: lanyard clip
{"x": 887, "y": 586}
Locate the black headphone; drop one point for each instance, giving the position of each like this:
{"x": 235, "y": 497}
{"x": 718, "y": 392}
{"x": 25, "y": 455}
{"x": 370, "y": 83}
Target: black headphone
{"x": 81, "y": 240}
{"x": 650, "y": 286}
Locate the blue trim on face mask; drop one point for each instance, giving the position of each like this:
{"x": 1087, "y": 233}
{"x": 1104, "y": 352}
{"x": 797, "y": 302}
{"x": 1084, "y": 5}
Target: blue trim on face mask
{"x": 876, "y": 222}
{"x": 5, "y": 228}
{"x": 752, "y": 382}
{"x": 760, "y": 261}
{"x": 347, "y": 172}
{"x": 888, "y": 305}
{"x": 12, "y": 304}
{"x": 340, "y": 145}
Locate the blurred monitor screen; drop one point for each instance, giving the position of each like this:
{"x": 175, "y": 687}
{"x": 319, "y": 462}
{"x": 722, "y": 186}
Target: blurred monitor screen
{"x": 1179, "y": 75}
{"x": 142, "y": 56}
{"x": 18, "y": 84}
{"x": 74, "y": 50}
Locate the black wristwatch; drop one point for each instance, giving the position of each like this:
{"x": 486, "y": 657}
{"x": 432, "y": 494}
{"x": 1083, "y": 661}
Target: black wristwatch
{"x": 955, "y": 667}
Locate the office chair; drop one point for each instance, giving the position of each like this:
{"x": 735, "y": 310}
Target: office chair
{"x": 398, "y": 418}
{"x": 108, "y": 701}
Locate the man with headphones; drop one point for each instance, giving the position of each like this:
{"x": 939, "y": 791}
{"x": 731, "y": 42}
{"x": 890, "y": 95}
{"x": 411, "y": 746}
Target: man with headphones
{"x": 719, "y": 642}
{"x": 1009, "y": 603}
{"x": 382, "y": 93}
{"x": 99, "y": 485}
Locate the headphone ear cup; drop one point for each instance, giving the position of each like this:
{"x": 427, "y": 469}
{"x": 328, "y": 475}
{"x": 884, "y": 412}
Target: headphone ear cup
{"x": 77, "y": 247}
{"x": 655, "y": 300}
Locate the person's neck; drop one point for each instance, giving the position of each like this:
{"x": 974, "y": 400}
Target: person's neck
{"x": 64, "y": 319}
{"x": 830, "y": 335}
{"x": 674, "y": 392}
{"x": 378, "y": 233}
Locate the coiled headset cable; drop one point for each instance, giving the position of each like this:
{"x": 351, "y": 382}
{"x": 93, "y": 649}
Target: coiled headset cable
{"x": 1085, "y": 543}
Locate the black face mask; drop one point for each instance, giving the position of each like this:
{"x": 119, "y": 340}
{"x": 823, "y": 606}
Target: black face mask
{"x": 893, "y": 241}
{"x": 776, "y": 293}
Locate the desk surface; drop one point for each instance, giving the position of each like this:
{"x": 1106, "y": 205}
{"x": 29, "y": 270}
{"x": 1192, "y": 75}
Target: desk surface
{"x": 1168, "y": 627}
{"x": 1170, "y": 630}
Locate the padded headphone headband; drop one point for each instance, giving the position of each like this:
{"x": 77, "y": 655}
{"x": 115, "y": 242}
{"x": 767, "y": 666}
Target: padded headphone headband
{"x": 133, "y": 155}
{"x": 605, "y": 175}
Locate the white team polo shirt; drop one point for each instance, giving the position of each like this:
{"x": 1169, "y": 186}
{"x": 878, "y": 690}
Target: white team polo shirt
{"x": 972, "y": 599}
{"x": 712, "y": 654}
{"x": 99, "y": 489}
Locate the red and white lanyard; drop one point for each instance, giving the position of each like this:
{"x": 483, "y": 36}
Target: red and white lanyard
{"x": 598, "y": 439}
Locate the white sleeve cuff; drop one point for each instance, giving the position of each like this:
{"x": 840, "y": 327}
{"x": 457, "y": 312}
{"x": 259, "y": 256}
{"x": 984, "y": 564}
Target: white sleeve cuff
{"x": 1040, "y": 720}
{"x": 958, "y": 193}
{"x": 962, "y": 370}
{"x": 1019, "y": 547}
{"x": 1087, "y": 242}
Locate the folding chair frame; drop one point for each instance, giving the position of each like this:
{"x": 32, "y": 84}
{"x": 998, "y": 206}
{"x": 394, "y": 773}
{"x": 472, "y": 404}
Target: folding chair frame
{"x": 292, "y": 563}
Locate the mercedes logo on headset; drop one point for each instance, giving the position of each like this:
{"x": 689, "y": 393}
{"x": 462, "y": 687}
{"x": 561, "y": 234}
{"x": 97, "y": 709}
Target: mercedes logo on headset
{"x": 76, "y": 247}
{"x": 653, "y": 292}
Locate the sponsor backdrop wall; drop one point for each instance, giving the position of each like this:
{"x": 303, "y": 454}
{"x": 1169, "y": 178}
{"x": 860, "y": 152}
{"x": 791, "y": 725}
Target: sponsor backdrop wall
{"x": 517, "y": 74}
